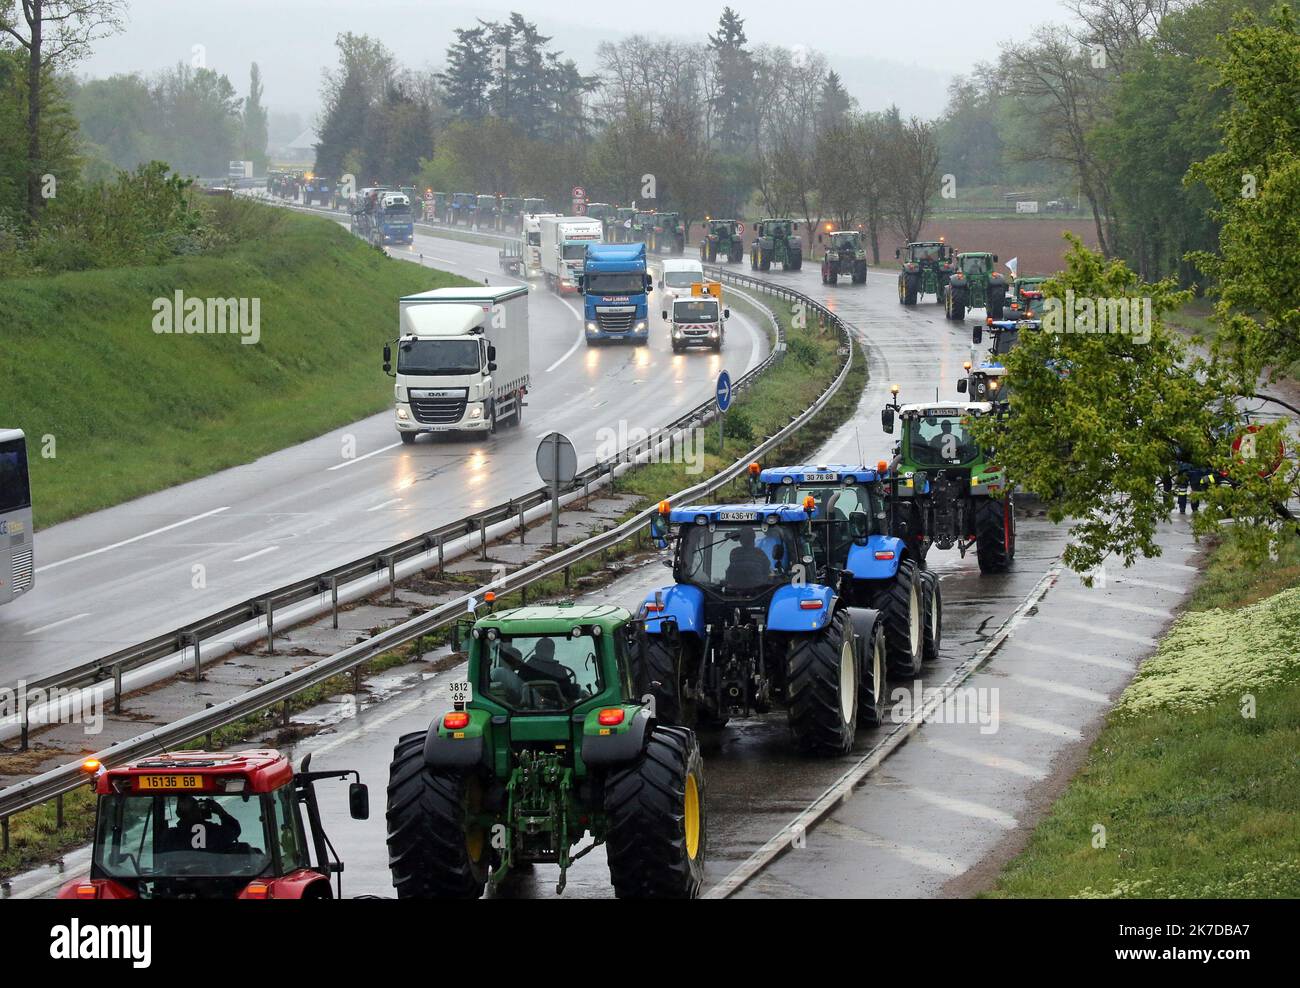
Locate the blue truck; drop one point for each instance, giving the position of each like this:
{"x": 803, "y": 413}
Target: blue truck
{"x": 879, "y": 571}
{"x": 383, "y": 216}
{"x": 616, "y": 286}
{"x": 748, "y": 625}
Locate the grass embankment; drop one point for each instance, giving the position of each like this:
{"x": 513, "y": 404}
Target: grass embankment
{"x": 1196, "y": 774}
{"x": 132, "y": 411}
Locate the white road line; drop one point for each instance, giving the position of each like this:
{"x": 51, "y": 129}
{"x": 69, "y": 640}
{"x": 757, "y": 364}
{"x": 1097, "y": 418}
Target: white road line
{"x": 965, "y": 807}
{"x": 259, "y": 552}
{"x": 1040, "y": 725}
{"x": 358, "y": 459}
{"x": 1086, "y": 598}
{"x": 1062, "y": 689}
{"x": 919, "y": 856}
{"x": 137, "y": 538}
{"x": 1149, "y": 584}
{"x": 386, "y": 504}
{"x": 985, "y": 758}
{"x": 582, "y": 333}
{"x": 1061, "y": 653}
{"x": 56, "y": 624}
{"x": 1094, "y": 629}
{"x": 1181, "y": 567}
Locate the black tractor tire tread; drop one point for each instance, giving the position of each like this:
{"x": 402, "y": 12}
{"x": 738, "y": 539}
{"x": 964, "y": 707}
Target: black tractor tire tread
{"x": 933, "y": 629}
{"x": 894, "y": 604}
{"x": 990, "y": 536}
{"x": 660, "y": 677}
{"x": 816, "y": 720}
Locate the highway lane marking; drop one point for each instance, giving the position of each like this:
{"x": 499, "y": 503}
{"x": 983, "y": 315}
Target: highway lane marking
{"x": 987, "y": 758}
{"x": 929, "y": 860}
{"x": 582, "y": 332}
{"x": 1093, "y": 629}
{"x": 965, "y": 807}
{"x": 56, "y": 624}
{"x": 1150, "y": 584}
{"x": 1061, "y": 689}
{"x": 1061, "y": 653}
{"x": 1040, "y": 725}
{"x": 1181, "y": 567}
{"x": 358, "y": 459}
{"x": 259, "y": 552}
{"x": 1085, "y": 598}
{"x": 130, "y": 541}
{"x": 386, "y": 504}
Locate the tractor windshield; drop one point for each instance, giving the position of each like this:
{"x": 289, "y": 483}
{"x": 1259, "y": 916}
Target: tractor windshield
{"x": 940, "y": 441}
{"x": 926, "y": 252}
{"x": 834, "y": 505}
{"x": 844, "y": 241}
{"x": 740, "y": 558}
{"x": 975, "y": 264}
{"x": 185, "y": 835}
{"x": 542, "y": 673}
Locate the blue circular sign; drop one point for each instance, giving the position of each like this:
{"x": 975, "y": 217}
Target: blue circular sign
{"x": 722, "y": 392}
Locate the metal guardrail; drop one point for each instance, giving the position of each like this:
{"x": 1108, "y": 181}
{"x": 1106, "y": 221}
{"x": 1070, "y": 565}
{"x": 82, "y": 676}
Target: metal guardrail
{"x": 57, "y": 782}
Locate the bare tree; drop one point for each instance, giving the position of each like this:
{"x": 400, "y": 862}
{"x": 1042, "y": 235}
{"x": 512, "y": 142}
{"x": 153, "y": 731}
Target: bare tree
{"x": 57, "y": 33}
{"x": 912, "y": 165}
{"x": 1116, "y": 27}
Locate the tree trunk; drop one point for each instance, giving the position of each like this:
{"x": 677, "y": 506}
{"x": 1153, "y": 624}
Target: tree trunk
{"x": 34, "y": 114}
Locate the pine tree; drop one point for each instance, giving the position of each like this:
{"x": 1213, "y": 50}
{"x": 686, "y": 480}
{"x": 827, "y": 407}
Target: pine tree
{"x": 255, "y": 122}
{"x": 734, "y": 105}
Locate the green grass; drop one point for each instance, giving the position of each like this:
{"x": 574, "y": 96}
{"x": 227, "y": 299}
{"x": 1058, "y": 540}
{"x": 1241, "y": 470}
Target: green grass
{"x": 131, "y": 412}
{"x": 1196, "y": 775}
{"x": 35, "y": 837}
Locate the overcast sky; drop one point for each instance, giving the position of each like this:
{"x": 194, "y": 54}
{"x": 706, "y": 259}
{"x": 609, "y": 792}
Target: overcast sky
{"x": 882, "y": 48}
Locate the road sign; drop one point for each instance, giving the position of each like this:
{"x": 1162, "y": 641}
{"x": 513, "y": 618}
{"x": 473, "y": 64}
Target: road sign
{"x": 722, "y": 391}
{"x": 579, "y": 192}
{"x": 557, "y": 465}
{"x": 1246, "y": 447}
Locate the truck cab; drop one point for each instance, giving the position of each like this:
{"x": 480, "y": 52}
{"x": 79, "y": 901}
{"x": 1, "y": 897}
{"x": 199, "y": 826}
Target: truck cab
{"x": 564, "y": 250}
{"x": 530, "y": 243}
{"x": 211, "y": 825}
{"x": 615, "y": 287}
{"x": 697, "y": 319}
{"x": 462, "y": 360}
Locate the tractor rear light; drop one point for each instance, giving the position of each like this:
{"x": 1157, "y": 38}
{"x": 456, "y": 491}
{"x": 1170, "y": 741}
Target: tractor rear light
{"x": 257, "y": 890}
{"x": 90, "y": 766}
{"x": 885, "y": 554}
{"x": 665, "y": 507}
{"x": 653, "y": 605}
{"x": 88, "y": 891}
{"x": 809, "y": 503}
{"x": 455, "y": 720}
{"x": 755, "y": 469}
{"x": 881, "y": 466}
{"x": 611, "y": 717}
{"x": 810, "y": 605}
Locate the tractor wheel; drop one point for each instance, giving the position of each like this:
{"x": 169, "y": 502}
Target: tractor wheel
{"x": 795, "y": 260}
{"x": 995, "y": 534}
{"x": 822, "y": 672}
{"x": 753, "y": 258}
{"x": 997, "y": 301}
{"x": 873, "y": 702}
{"x": 431, "y": 852}
{"x": 900, "y": 603}
{"x": 860, "y": 273}
{"x": 661, "y": 677}
{"x": 734, "y": 255}
{"x": 826, "y": 273}
{"x": 907, "y": 290}
{"x": 713, "y": 253}
{"x": 655, "y": 812}
{"x": 764, "y": 260}
{"x": 956, "y": 305}
{"x": 933, "y": 633}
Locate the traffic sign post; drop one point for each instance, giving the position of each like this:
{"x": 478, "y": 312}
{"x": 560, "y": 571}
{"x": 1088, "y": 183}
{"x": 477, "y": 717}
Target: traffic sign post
{"x": 557, "y": 465}
{"x": 722, "y": 395}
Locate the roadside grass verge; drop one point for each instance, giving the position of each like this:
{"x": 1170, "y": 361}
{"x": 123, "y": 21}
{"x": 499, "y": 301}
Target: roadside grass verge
{"x": 130, "y": 411}
{"x": 1196, "y": 774}
{"x": 35, "y": 836}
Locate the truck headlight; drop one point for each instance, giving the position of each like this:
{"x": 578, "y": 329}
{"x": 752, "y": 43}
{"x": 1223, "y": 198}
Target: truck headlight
{"x": 640, "y": 327}
{"x": 402, "y": 414}
{"x": 476, "y": 412}
{"x": 592, "y": 327}
{"x": 677, "y": 332}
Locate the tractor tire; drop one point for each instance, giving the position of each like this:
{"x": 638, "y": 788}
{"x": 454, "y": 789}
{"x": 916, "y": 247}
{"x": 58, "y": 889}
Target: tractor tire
{"x": 822, "y": 673}
{"x": 997, "y": 301}
{"x": 753, "y": 258}
{"x": 900, "y": 604}
{"x": 764, "y": 261}
{"x": 907, "y": 291}
{"x": 826, "y": 275}
{"x": 655, "y": 813}
{"x": 860, "y": 273}
{"x": 734, "y": 255}
{"x": 661, "y": 676}
{"x": 431, "y": 854}
{"x": 873, "y": 693}
{"x": 995, "y": 534}
{"x": 933, "y": 631}
{"x": 955, "y": 305}
{"x": 795, "y": 260}
{"x": 713, "y": 253}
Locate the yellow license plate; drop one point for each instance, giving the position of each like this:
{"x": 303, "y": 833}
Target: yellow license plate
{"x": 170, "y": 782}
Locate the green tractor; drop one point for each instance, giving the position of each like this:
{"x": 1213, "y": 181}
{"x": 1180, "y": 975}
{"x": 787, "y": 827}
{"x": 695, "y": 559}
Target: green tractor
{"x": 604, "y": 212}
{"x": 1025, "y": 298}
{"x": 624, "y": 217}
{"x": 776, "y": 242}
{"x": 846, "y": 253}
{"x": 668, "y": 235}
{"x": 927, "y": 266}
{"x": 545, "y": 744}
{"x": 975, "y": 285}
{"x": 722, "y": 238}
{"x": 947, "y": 492}
{"x": 642, "y": 229}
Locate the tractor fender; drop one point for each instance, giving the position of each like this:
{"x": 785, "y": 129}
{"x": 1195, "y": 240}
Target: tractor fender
{"x": 443, "y": 748}
{"x": 786, "y": 613}
{"x": 683, "y": 604}
{"x": 862, "y": 563}
{"x": 618, "y": 745}
{"x": 997, "y": 278}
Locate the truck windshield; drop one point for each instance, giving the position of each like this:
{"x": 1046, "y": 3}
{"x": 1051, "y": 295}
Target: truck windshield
{"x": 183, "y": 835}
{"x": 575, "y": 252}
{"x": 739, "y": 558}
{"x": 399, "y": 215}
{"x": 940, "y": 441}
{"x": 434, "y": 357}
{"x": 615, "y": 283}
{"x": 701, "y": 311}
{"x": 681, "y": 279}
{"x": 15, "y": 489}
{"x": 542, "y": 673}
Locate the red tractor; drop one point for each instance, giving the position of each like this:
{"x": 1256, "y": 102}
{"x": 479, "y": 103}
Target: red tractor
{"x": 212, "y": 825}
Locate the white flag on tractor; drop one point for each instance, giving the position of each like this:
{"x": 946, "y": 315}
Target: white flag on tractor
{"x": 1012, "y": 265}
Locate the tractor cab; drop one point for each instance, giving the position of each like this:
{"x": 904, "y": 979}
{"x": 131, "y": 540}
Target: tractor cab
{"x": 211, "y": 825}
{"x": 927, "y": 254}
{"x": 843, "y": 241}
{"x": 1025, "y": 299}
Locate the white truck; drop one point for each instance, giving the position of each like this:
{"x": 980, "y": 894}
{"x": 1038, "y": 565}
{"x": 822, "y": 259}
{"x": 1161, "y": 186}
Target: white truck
{"x": 564, "y": 249}
{"x": 697, "y": 318}
{"x": 462, "y": 360}
{"x": 679, "y": 274}
{"x": 530, "y": 243}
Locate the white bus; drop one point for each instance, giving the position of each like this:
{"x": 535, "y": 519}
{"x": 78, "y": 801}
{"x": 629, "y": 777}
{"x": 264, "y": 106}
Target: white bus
{"x": 17, "y": 567}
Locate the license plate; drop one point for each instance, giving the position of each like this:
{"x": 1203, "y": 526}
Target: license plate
{"x": 737, "y": 516}
{"x": 813, "y": 478}
{"x": 152, "y": 782}
{"x": 461, "y": 693}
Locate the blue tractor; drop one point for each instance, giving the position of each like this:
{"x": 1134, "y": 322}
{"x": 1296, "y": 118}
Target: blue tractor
{"x": 879, "y": 571}
{"x": 748, "y": 626}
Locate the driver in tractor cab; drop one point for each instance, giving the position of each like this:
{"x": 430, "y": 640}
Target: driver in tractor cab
{"x": 195, "y": 831}
{"x": 539, "y": 666}
{"x": 748, "y": 565}
{"x": 946, "y": 445}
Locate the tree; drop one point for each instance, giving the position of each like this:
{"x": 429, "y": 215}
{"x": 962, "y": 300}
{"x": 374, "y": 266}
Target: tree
{"x": 733, "y": 103}
{"x": 835, "y": 104}
{"x": 57, "y": 33}
{"x": 349, "y": 92}
{"x": 255, "y": 128}
{"x": 911, "y": 169}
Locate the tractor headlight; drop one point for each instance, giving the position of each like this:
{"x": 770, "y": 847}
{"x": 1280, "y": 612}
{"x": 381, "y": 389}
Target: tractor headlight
{"x": 772, "y": 519}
